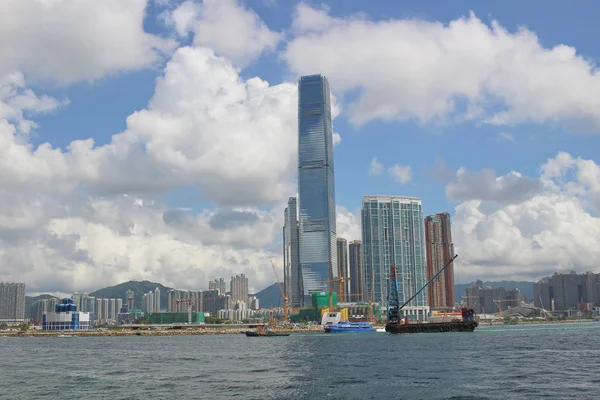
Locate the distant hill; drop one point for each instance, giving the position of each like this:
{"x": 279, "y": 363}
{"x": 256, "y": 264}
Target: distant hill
{"x": 139, "y": 288}
{"x": 29, "y": 300}
{"x": 525, "y": 287}
{"x": 269, "y": 296}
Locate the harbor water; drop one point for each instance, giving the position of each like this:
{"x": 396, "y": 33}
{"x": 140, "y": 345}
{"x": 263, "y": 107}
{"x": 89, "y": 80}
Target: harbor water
{"x": 499, "y": 362}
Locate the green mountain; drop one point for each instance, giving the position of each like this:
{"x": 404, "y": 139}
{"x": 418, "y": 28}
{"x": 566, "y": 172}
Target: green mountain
{"x": 29, "y": 300}
{"x": 139, "y": 288}
{"x": 269, "y": 296}
{"x": 525, "y": 287}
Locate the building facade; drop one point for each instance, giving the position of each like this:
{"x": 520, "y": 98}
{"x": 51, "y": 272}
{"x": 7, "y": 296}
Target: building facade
{"x": 488, "y": 300}
{"x": 316, "y": 185}
{"x": 239, "y": 289}
{"x": 357, "y": 274}
{"x": 218, "y": 284}
{"x": 342, "y": 258}
{"x": 291, "y": 255}
{"x": 65, "y": 316}
{"x": 567, "y": 291}
{"x": 12, "y": 301}
{"x": 439, "y": 250}
{"x": 393, "y": 234}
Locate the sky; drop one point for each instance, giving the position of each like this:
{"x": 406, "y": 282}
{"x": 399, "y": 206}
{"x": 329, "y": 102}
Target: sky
{"x": 158, "y": 139}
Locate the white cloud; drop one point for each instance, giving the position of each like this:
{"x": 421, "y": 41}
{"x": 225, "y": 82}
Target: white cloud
{"x": 400, "y": 173}
{"x": 68, "y": 41}
{"x": 506, "y": 136}
{"x": 227, "y": 27}
{"x": 337, "y": 139}
{"x": 485, "y": 186}
{"x": 551, "y": 230}
{"x": 502, "y": 77}
{"x": 375, "y": 168}
{"x": 347, "y": 224}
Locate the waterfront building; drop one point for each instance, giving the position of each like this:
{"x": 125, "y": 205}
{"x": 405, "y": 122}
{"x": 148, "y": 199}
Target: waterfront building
{"x": 65, "y": 316}
{"x": 130, "y": 300}
{"x": 218, "y": 284}
{"x": 39, "y": 307}
{"x": 316, "y": 185}
{"x": 567, "y": 291}
{"x": 357, "y": 277}
{"x": 488, "y": 300}
{"x": 238, "y": 289}
{"x": 393, "y": 234}
{"x": 148, "y": 302}
{"x": 292, "y": 273}
{"x": 157, "y": 300}
{"x": 439, "y": 250}
{"x": 12, "y": 302}
{"x": 342, "y": 258}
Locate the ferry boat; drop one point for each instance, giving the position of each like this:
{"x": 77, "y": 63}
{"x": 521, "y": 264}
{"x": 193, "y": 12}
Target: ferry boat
{"x": 349, "y": 327}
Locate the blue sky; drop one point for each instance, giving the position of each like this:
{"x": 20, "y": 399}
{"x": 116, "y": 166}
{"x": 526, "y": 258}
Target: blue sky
{"x": 427, "y": 86}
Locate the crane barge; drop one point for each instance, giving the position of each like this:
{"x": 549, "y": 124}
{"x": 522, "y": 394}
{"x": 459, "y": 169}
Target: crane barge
{"x": 395, "y": 325}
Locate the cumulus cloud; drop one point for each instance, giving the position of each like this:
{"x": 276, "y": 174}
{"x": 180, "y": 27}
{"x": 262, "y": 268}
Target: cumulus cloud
{"x": 375, "y": 168}
{"x": 400, "y": 173}
{"x": 465, "y": 70}
{"x": 547, "y": 231}
{"x": 68, "y": 41}
{"x": 485, "y": 186}
{"x": 227, "y": 27}
{"x": 347, "y": 224}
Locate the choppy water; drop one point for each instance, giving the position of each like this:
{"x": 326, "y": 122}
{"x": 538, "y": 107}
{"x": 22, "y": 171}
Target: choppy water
{"x": 559, "y": 361}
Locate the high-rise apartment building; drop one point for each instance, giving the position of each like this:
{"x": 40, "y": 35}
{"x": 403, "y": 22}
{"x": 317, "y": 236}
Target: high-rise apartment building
{"x": 129, "y": 298}
{"x": 12, "y": 301}
{"x": 239, "y": 289}
{"x": 440, "y": 250}
{"x": 491, "y": 300}
{"x": 393, "y": 234}
{"x": 218, "y": 284}
{"x": 316, "y": 185}
{"x": 342, "y": 259}
{"x": 157, "y": 300}
{"x": 292, "y": 273}
{"x": 357, "y": 274}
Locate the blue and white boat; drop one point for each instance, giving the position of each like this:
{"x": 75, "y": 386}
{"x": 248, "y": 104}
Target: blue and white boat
{"x": 349, "y": 327}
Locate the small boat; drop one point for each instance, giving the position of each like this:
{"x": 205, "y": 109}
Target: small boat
{"x": 264, "y": 332}
{"x": 350, "y": 327}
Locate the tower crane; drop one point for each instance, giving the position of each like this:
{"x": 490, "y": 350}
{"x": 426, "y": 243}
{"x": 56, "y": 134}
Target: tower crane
{"x": 189, "y": 302}
{"x": 285, "y": 299}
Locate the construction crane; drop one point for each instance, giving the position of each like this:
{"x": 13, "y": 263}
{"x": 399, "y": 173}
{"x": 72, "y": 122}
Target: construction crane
{"x": 500, "y": 310}
{"x": 285, "y": 299}
{"x": 190, "y": 303}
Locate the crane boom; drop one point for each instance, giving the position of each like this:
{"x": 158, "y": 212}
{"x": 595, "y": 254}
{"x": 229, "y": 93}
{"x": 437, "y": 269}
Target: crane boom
{"x": 285, "y": 299}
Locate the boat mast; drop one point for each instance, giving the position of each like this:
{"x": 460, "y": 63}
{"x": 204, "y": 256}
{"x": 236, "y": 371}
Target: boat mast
{"x": 420, "y": 290}
{"x": 393, "y": 311}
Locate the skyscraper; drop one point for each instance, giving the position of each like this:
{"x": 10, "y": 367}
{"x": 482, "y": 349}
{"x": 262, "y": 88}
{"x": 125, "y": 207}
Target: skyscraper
{"x": 238, "y": 288}
{"x": 12, "y": 301}
{"x": 393, "y": 234}
{"x": 157, "y": 300}
{"x": 129, "y": 299}
{"x": 218, "y": 284}
{"x": 440, "y": 249}
{"x": 357, "y": 274}
{"x": 342, "y": 258}
{"x": 292, "y": 274}
{"x": 316, "y": 186}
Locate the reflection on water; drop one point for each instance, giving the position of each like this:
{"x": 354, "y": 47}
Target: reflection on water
{"x": 498, "y": 362}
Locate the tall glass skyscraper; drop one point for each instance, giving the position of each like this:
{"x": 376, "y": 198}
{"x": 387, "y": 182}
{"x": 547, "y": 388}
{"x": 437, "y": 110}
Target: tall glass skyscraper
{"x": 316, "y": 185}
{"x": 291, "y": 255}
{"x": 393, "y": 234}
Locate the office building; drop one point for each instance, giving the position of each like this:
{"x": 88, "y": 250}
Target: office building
{"x": 238, "y": 288}
{"x": 291, "y": 255}
{"x": 12, "y": 302}
{"x": 439, "y": 250}
{"x": 342, "y": 259}
{"x": 393, "y": 234}
{"x": 357, "y": 274}
{"x": 316, "y": 185}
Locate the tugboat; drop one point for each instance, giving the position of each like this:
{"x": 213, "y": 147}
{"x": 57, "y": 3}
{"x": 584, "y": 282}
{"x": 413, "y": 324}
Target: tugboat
{"x": 468, "y": 323}
{"x": 349, "y": 327}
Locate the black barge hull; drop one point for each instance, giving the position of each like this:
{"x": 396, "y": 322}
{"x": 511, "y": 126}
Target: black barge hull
{"x": 436, "y": 327}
